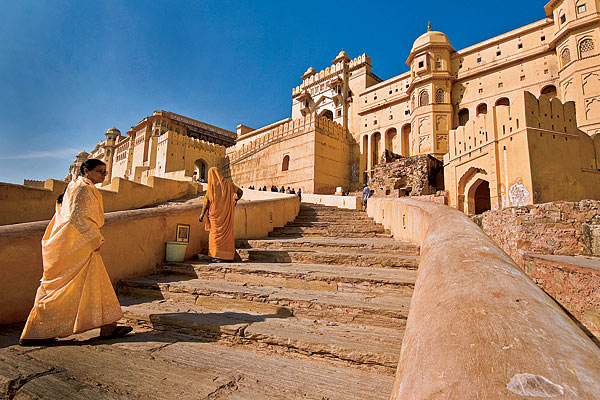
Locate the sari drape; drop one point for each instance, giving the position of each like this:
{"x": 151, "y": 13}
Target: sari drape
{"x": 75, "y": 292}
{"x": 219, "y": 224}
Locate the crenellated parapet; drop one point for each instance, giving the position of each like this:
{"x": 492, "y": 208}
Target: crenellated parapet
{"x": 312, "y": 77}
{"x": 526, "y": 111}
{"x": 284, "y": 130}
{"x": 175, "y": 138}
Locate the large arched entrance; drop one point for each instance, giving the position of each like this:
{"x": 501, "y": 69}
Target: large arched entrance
{"x": 200, "y": 170}
{"x": 481, "y": 197}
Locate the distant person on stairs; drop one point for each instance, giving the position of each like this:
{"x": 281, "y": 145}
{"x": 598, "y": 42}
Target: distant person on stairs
{"x": 75, "y": 292}
{"x": 365, "y": 197}
{"x": 219, "y": 208}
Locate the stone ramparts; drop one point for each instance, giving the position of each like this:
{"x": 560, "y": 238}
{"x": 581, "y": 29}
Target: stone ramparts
{"x": 26, "y": 204}
{"x": 478, "y": 327}
{"x": 134, "y": 243}
{"x": 284, "y": 130}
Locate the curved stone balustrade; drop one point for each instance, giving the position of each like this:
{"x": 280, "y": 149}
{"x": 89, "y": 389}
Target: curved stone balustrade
{"x": 478, "y": 327}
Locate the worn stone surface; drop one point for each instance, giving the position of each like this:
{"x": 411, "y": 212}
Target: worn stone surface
{"x": 551, "y": 228}
{"x": 573, "y": 281}
{"x": 408, "y": 176}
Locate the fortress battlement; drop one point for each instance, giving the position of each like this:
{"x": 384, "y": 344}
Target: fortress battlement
{"x": 288, "y": 128}
{"x": 329, "y": 72}
{"x": 190, "y": 142}
{"x": 526, "y": 111}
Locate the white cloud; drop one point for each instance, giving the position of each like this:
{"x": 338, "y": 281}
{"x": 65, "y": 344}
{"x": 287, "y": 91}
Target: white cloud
{"x": 59, "y": 153}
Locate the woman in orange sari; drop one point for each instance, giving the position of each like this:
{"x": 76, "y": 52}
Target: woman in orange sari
{"x": 219, "y": 203}
{"x": 75, "y": 293}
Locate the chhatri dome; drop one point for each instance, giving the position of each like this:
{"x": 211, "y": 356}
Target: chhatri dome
{"x": 430, "y": 37}
{"x": 114, "y": 130}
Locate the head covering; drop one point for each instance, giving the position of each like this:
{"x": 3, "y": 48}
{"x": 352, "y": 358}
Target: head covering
{"x": 218, "y": 186}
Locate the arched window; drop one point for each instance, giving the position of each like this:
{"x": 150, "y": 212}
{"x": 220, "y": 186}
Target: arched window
{"x": 585, "y": 46}
{"x": 285, "y": 165}
{"x": 565, "y": 57}
{"x": 412, "y": 101}
{"x": 423, "y": 98}
{"x": 503, "y": 102}
{"x": 481, "y": 109}
{"x": 549, "y": 91}
{"x": 463, "y": 117}
{"x": 439, "y": 96}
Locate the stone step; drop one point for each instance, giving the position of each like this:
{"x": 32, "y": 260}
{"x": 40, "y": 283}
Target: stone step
{"x": 351, "y": 259}
{"x": 338, "y": 225}
{"x": 370, "y": 346}
{"x": 301, "y": 232}
{"x": 154, "y": 365}
{"x": 332, "y": 217}
{"x": 374, "y": 281}
{"x": 348, "y": 308}
{"x": 371, "y": 245}
{"x": 347, "y": 214}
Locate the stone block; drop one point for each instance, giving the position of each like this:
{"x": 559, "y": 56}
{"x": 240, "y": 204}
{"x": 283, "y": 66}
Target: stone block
{"x": 591, "y": 239}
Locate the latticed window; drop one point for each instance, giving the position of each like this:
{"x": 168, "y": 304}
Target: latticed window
{"x": 439, "y": 96}
{"x": 586, "y": 45}
{"x": 565, "y": 57}
{"x": 424, "y": 98}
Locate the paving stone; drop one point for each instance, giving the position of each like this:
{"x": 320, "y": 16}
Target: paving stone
{"x": 302, "y": 276}
{"x": 338, "y": 307}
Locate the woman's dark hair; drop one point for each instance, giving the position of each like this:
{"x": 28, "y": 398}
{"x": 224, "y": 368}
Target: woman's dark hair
{"x": 90, "y": 164}
{"x": 59, "y": 199}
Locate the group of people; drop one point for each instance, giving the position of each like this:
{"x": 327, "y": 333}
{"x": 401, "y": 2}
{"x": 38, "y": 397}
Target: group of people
{"x": 281, "y": 190}
{"x": 75, "y": 292}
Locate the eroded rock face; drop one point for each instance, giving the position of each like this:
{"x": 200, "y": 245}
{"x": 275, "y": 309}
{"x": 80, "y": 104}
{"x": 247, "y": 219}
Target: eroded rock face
{"x": 559, "y": 228}
{"x": 407, "y": 176}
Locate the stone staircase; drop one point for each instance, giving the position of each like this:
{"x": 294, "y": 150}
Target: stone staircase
{"x": 328, "y": 292}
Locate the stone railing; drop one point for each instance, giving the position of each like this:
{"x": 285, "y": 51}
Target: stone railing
{"x": 284, "y": 130}
{"x": 27, "y": 204}
{"x": 478, "y": 327}
{"x": 134, "y": 243}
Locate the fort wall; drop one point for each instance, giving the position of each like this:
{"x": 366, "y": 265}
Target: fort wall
{"x": 289, "y": 154}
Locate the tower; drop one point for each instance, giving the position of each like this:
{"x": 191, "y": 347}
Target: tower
{"x": 430, "y": 94}
{"x": 576, "y": 41}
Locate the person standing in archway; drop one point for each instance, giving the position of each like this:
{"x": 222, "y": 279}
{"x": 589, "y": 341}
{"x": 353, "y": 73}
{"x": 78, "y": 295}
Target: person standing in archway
{"x": 75, "y": 293}
{"x": 219, "y": 203}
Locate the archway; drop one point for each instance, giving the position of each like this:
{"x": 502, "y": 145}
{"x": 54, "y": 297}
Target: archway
{"x": 405, "y": 148}
{"x": 504, "y": 101}
{"x": 365, "y": 157}
{"x": 549, "y": 91}
{"x": 327, "y": 114}
{"x": 390, "y": 139}
{"x": 479, "y": 197}
{"x": 463, "y": 117}
{"x": 481, "y": 109}
{"x": 200, "y": 170}
{"x": 375, "y": 146}
{"x": 285, "y": 165}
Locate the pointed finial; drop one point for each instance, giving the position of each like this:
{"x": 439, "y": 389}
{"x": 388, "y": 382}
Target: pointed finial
{"x": 429, "y": 26}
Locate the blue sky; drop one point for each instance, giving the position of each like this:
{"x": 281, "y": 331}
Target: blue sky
{"x": 69, "y": 70}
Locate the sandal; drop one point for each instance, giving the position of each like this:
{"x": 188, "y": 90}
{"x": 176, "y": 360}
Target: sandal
{"x": 119, "y": 331}
{"x": 36, "y": 342}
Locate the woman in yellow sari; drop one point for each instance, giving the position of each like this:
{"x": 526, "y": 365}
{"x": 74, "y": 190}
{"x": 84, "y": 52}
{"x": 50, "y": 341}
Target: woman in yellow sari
{"x": 220, "y": 204}
{"x": 75, "y": 293}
